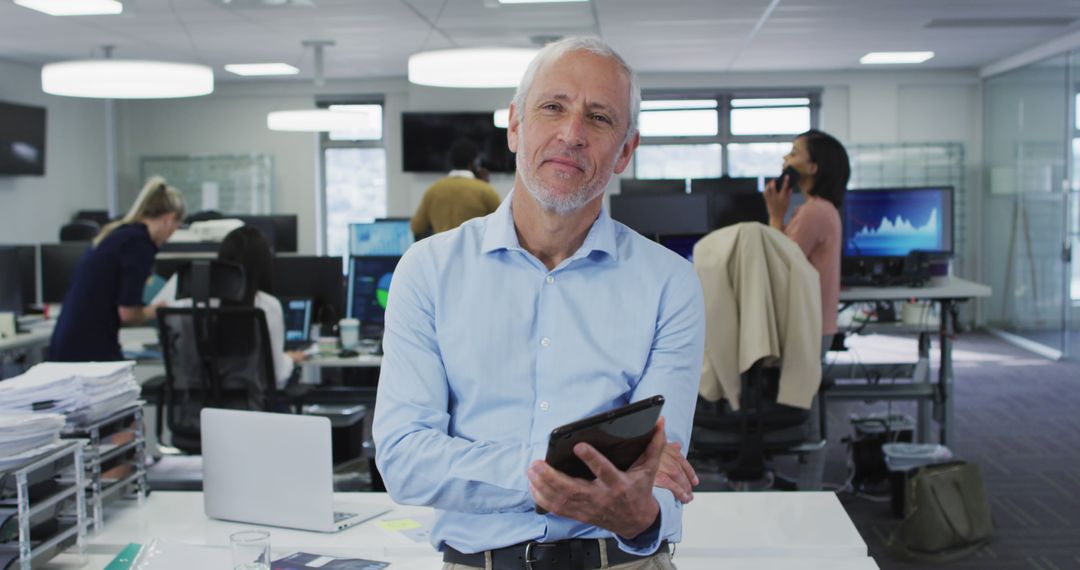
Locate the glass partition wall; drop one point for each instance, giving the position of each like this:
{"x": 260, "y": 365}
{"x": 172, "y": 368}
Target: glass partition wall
{"x": 1029, "y": 205}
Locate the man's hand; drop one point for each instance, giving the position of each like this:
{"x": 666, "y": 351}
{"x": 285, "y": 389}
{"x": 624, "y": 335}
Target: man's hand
{"x": 676, "y": 474}
{"x": 620, "y": 501}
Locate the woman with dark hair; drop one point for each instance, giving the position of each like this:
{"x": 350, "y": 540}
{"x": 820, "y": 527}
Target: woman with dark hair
{"x": 248, "y": 247}
{"x": 821, "y": 171}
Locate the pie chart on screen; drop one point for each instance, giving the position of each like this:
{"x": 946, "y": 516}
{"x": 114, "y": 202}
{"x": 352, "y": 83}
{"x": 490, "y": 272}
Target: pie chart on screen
{"x": 382, "y": 289}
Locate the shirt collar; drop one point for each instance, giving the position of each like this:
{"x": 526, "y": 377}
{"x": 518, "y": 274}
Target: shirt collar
{"x": 461, "y": 174}
{"x": 500, "y": 233}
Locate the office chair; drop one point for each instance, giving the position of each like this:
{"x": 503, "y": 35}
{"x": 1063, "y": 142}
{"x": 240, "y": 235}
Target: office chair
{"x": 100, "y": 217}
{"x": 217, "y": 357}
{"x": 758, "y": 392}
{"x": 79, "y": 230}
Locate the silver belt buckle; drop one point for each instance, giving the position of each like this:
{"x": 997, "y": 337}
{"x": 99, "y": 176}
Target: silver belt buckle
{"x": 528, "y": 553}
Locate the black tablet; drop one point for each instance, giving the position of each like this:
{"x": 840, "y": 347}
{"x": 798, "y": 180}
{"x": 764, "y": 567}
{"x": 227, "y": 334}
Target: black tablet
{"x": 621, "y": 435}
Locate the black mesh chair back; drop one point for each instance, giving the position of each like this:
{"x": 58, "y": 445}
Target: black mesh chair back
{"x": 218, "y": 357}
{"x": 79, "y": 230}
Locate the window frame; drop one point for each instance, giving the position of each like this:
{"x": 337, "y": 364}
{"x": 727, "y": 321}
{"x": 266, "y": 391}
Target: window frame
{"x": 325, "y": 143}
{"x": 723, "y": 98}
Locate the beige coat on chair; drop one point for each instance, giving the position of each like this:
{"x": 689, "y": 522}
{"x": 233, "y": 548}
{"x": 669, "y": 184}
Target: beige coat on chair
{"x": 762, "y": 299}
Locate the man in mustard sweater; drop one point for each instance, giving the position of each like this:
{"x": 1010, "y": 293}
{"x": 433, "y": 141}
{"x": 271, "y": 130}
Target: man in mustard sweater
{"x": 458, "y": 197}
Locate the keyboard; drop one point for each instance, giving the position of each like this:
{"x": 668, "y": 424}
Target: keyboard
{"x": 338, "y": 517}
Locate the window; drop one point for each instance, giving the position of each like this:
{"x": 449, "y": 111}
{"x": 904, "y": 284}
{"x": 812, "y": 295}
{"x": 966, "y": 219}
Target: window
{"x": 353, "y": 174}
{"x": 739, "y": 134}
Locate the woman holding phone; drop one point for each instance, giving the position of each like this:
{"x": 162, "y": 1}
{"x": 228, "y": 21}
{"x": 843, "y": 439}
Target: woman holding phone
{"x": 818, "y": 167}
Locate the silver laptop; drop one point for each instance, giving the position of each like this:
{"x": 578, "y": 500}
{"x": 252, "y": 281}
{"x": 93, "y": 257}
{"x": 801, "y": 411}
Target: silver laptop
{"x": 273, "y": 469}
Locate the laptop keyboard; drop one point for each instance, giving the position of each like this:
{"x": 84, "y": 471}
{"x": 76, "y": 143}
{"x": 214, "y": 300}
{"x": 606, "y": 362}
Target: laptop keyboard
{"x": 338, "y": 517}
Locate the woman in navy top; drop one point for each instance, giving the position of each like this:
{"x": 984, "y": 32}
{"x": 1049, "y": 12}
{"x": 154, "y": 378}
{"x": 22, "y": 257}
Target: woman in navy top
{"x": 107, "y": 289}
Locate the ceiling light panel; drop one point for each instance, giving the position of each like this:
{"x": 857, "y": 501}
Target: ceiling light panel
{"x": 261, "y": 69}
{"x": 895, "y": 57}
{"x": 539, "y": 1}
{"x": 73, "y": 7}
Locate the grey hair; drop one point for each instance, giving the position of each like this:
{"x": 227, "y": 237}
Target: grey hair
{"x": 555, "y": 50}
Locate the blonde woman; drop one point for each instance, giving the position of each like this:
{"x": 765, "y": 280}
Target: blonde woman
{"x": 106, "y": 291}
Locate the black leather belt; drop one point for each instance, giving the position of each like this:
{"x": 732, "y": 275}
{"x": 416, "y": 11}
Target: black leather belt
{"x": 577, "y": 554}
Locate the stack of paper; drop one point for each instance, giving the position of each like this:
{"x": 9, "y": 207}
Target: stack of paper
{"x": 25, "y": 435}
{"x": 83, "y": 391}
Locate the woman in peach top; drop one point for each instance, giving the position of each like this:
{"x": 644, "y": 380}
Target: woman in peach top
{"x": 823, "y": 171}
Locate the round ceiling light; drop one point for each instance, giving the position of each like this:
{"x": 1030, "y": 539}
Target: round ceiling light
{"x": 126, "y": 79}
{"x": 470, "y": 67}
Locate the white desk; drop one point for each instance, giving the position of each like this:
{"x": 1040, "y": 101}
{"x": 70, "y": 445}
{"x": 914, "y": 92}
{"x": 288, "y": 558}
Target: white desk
{"x": 813, "y": 526}
{"x": 948, "y": 295}
{"x": 68, "y": 561}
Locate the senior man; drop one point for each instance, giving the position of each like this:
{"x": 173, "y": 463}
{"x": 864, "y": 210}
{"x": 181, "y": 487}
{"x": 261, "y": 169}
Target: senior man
{"x": 540, "y": 314}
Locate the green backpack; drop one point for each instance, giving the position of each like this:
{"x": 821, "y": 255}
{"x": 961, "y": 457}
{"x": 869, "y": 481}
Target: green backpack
{"x": 946, "y": 515}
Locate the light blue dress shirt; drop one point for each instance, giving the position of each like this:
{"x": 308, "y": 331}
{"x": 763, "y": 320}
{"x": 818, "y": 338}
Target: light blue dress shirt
{"x": 486, "y": 351}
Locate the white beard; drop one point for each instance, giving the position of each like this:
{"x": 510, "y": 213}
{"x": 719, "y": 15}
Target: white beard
{"x": 549, "y": 198}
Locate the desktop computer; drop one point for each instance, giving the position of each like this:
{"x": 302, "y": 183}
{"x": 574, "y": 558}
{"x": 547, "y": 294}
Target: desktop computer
{"x": 320, "y": 278}
{"x": 662, "y": 214}
{"x": 369, "y": 288}
{"x": 388, "y": 236}
{"x": 11, "y": 295}
{"x": 651, "y": 186}
{"x": 891, "y": 236}
{"x": 58, "y": 263}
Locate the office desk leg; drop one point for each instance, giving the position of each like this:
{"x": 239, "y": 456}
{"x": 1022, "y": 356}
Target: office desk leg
{"x": 945, "y": 369}
{"x": 922, "y": 374}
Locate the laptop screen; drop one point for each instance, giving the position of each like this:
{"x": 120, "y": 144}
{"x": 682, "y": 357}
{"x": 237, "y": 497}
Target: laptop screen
{"x": 297, "y": 319}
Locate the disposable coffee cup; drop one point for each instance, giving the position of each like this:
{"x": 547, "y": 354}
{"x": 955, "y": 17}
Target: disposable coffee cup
{"x": 349, "y": 329}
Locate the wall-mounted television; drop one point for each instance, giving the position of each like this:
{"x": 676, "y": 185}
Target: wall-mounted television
{"x": 427, "y": 138}
{"x": 22, "y": 140}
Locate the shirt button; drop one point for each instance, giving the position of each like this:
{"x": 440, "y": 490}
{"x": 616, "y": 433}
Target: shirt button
{"x": 544, "y": 406}
{"x": 550, "y": 279}
{"x": 545, "y": 341}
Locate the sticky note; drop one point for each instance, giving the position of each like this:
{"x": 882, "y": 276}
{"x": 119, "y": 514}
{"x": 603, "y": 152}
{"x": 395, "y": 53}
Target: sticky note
{"x": 398, "y": 525}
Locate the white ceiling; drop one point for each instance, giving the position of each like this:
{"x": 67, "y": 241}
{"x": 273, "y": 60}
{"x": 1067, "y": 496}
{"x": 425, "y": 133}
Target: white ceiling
{"x": 375, "y": 37}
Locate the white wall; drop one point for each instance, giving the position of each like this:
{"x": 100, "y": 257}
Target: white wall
{"x": 32, "y": 208}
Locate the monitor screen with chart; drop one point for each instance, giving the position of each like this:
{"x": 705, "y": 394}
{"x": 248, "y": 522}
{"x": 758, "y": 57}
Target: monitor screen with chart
{"x": 369, "y": 288}
{"x": 894, "y": 222}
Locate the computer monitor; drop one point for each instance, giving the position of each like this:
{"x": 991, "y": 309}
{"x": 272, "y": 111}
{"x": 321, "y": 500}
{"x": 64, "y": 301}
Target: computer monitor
{"x": 280, "y": 230}
{"x": 167, "y": 264}
{"x": 389, "y": 236}
{"x": 681, "y": 244}
{"x": 724, "y": 184}
{"x": 11, "y": 296}
{"x": 320, "y": 278}
{"x": 58, "y": 262}
{"x": 655, "y": 186}
{"x": 660, "y": 214}
{"x": 736, "y": 206}
{"x": 893, "y": 222}
{"x": 369, "y": 287}
{"x": 28, "y": 273}
{"x": 298, "y": 314}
